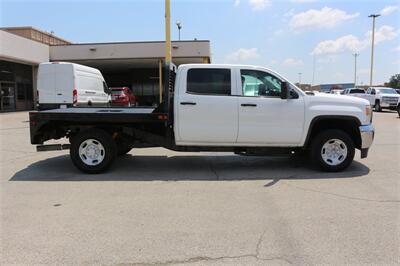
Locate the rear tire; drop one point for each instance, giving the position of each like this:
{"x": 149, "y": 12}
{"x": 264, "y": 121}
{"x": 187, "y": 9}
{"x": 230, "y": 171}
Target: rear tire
{"x": 332, "y": 150}
{"x": 92, "y": 151}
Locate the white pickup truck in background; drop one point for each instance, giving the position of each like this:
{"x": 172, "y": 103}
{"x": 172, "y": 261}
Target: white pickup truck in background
{"x": 381, "y": 97}
{"x": 247, "y": 110}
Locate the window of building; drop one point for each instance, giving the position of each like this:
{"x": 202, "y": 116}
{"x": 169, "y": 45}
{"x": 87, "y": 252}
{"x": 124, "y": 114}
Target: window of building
{"x": 20, "y": 91}
{"x": 260, "y": 83}
{"x": 209, "y": 81}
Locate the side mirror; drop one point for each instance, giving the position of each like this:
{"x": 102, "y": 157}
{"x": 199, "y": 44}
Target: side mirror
{"x": 285, "y": 90}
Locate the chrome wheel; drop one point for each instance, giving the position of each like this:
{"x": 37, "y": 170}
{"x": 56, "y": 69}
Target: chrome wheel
{"x": 91, "y": 152}
{"x": 334, "y": 152}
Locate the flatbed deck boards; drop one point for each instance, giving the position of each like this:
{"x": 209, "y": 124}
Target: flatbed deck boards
{"x": 96, "y": 115}
{"x": 87, "y": 110}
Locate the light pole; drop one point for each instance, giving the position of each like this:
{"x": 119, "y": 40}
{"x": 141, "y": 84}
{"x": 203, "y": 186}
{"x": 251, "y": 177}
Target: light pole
{"x": 167, "y": 32}
{"x": 355, "y": 69}
{"x": 313, "y": 71}
{"x": 373, "y": 16}
{"x": 179, "y": 25}
{"x": 300, "y": 78}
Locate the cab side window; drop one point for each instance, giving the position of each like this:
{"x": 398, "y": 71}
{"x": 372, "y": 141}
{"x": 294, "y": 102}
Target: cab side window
{"x": 258, "y": 83}
{"x": 209, "y": 81}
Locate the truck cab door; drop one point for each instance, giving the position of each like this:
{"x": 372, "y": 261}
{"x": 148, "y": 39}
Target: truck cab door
{"x": 264, "y": 118}
{"x": 206, "y": 112}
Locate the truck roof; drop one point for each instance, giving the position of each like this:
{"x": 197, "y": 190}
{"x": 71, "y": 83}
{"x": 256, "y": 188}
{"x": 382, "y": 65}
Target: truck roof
{"x": 232, "y": 66}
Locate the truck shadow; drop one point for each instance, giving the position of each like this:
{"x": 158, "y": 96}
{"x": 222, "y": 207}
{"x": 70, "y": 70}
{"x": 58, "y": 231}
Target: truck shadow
{"x": 189, "y": 167}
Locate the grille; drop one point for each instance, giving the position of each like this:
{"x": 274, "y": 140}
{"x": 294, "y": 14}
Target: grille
{"x": 390, "y": 100}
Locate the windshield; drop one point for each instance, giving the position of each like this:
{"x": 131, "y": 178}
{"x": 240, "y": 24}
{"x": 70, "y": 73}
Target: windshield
{"x": 387, "y": 91}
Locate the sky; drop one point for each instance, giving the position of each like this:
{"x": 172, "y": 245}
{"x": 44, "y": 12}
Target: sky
{"x": 311, "y": 37}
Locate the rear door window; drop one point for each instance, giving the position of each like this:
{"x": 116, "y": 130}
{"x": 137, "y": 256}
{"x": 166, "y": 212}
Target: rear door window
{"x": 357, "y": 91}
{"x": 209, "y": 81}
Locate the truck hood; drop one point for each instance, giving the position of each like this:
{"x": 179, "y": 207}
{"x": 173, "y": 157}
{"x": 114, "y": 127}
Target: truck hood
{"x": 323, "y": 104}
{"x": 338, "y": 99}
{"x": 389, "y": 95}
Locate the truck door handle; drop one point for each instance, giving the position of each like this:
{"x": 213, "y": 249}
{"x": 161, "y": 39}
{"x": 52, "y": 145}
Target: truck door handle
{"x": 248, "y": 105}
{"x": 188, "y": 103}
{"x": 59, "y": 93}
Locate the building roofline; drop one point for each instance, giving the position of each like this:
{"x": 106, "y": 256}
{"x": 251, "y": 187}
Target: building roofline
{"x": 104, "y": 43}
{"x": 33, "y": 28}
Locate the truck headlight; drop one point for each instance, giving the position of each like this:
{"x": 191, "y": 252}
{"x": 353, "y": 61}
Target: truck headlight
{"x": 368, "y": 112}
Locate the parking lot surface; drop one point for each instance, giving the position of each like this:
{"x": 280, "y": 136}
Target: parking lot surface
{"x": 157, "y": 207}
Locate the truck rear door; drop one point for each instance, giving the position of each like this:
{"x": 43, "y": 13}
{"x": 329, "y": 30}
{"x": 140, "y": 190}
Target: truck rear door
{"x": 206, "y": 111}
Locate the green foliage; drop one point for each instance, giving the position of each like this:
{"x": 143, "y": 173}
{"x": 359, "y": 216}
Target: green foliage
{"x": 395, "y": 81}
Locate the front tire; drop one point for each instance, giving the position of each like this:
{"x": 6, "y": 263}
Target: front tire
{"x": 332, "y": 150}
{"x": 92, "y": 151}
{"x": 378, "y": 107}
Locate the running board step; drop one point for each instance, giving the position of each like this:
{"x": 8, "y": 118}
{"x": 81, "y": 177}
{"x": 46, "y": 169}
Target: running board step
{"x": 52, "y": 147}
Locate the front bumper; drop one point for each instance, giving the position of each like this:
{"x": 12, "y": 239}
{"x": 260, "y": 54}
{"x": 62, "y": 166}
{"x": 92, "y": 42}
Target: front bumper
{"x": 367, "y": 133}
{"x": 388, "y": 105}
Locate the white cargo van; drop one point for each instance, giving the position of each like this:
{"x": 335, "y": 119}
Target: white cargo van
{"x": 62, "y": 84}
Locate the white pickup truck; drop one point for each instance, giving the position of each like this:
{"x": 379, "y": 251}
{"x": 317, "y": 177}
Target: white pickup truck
{"x": 382, "y": 97}
{"x": 247, "y": 110}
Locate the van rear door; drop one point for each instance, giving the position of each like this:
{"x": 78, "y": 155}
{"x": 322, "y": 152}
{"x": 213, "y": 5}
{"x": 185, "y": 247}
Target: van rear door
{"x": 46, "y": 84}
{"x": 64, "y": 83}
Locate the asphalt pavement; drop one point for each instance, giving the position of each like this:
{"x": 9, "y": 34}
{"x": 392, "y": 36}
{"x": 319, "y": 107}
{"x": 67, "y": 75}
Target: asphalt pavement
{"x": 157, "y": 207}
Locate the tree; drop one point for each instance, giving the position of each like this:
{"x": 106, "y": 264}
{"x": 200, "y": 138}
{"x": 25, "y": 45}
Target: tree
{"x": 395, "y": 81}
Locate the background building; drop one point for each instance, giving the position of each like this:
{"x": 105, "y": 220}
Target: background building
{"x": 329, "y": 87}
{"x": 131, "y": 64}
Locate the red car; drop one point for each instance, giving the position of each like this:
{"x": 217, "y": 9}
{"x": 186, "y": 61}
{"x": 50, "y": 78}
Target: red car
{"x": 122, "y": 96}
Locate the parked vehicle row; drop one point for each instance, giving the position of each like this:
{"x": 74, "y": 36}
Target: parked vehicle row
{"x": 379, "y": 97}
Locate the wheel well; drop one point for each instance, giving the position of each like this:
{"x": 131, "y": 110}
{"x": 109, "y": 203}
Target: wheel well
{"x": 348, "y": 125}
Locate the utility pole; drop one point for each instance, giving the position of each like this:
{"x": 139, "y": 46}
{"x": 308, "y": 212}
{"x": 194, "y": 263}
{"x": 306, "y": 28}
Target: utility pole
{"x": 167, "y": 32}
{"x": 313, "y": 71}
{"x": 373, "y": 16}
{"x": 300, "y": 78}
{"x": 179, "y": 25}
{"x": 355, "y": 69}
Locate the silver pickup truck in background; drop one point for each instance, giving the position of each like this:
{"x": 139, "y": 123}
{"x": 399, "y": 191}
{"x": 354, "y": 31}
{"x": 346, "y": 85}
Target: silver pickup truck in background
{"x": 379, "y": 97}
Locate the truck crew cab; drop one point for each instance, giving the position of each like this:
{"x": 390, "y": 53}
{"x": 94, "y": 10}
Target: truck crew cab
{"x": 242, "y": 109}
